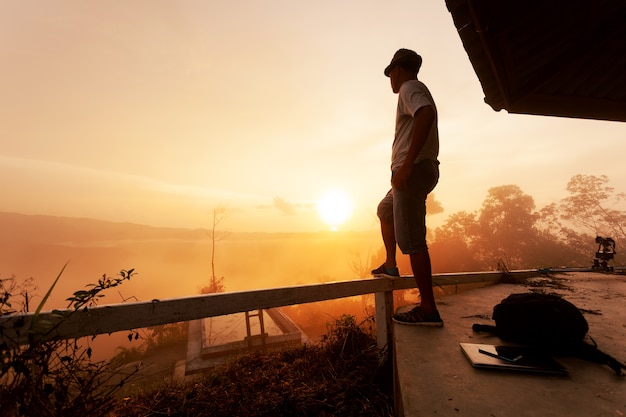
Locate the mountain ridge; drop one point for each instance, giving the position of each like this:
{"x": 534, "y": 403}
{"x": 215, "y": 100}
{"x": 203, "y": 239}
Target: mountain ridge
{"x": 48, "y": 229}
{"x": 40, "y": 228}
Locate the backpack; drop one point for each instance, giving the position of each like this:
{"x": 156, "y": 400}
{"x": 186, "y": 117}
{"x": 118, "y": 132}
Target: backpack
{"x": 549, "y": 323}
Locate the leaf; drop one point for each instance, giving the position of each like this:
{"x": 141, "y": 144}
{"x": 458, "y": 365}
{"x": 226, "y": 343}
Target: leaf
{"x": 58, "y": 314}
{"x": 45, "y": 298}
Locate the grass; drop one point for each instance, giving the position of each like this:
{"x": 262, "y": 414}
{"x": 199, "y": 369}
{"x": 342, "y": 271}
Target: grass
{"x": 345, "y": 375}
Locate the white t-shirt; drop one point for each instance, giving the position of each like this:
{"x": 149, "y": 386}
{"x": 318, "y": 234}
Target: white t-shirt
{"x": 412, "y": 96}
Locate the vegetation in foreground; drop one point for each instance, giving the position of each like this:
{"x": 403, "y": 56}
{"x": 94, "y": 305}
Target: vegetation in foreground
{"x": 49, "y": 377}
{"x": 344, "y": 375}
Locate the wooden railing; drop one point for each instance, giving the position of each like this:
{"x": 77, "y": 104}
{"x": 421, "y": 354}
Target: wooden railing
{"x": 14, "y": 329}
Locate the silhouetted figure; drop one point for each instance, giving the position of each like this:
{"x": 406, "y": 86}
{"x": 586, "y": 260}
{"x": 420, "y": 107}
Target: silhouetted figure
{"x": 415, "y": 173}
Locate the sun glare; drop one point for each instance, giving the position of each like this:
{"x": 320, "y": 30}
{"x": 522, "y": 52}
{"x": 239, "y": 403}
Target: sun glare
{"x": 334, "y": 208}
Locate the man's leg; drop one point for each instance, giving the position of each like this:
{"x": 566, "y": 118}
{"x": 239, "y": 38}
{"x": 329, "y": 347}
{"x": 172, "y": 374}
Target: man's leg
{"x": 410, "y": 219}
{"x": 389, "y": 240}
{"x": 420, "y": 264}
{"x": 426, "y": 313}
{"x": 387, "y": 229}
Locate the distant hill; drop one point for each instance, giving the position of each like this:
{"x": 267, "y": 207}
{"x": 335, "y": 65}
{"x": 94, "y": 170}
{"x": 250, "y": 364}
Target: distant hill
{"x": 169, "y": 261}
{"x": 52, "y": 229}
{"x": 16, "y": 227}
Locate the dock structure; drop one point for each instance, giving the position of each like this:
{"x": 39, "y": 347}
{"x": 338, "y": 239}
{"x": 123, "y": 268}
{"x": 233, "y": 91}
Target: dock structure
{"x": 214, "y": 341}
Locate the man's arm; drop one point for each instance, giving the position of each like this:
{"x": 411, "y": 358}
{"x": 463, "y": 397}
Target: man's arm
{"x": 422, "y": 123}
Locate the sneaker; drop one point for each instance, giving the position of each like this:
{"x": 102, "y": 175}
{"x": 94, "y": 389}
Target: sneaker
{"x": 383, "y": 271}
{"x": 417, "y": 317}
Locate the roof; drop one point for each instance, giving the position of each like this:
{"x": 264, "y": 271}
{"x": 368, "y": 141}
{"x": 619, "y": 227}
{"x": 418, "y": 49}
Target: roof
{"x": 558, "y": 58}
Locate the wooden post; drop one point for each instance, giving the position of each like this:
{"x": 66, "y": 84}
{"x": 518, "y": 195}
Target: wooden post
{"x": 384, "y": 312}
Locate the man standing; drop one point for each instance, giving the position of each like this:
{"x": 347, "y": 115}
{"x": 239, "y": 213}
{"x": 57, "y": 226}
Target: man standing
{"x": 414, "y": 174}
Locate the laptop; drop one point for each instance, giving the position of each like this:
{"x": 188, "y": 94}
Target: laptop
{"x": 511, "y": 358}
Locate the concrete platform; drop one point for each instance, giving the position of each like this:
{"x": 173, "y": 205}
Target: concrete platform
{"x": 435, "y": 378}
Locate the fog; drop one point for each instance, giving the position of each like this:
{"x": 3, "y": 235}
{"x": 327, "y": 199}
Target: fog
{"x": 169, "y": 263}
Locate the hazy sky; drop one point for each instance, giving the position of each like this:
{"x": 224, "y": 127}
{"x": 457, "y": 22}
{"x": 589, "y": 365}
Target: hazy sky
{"x": 158, "y": 111}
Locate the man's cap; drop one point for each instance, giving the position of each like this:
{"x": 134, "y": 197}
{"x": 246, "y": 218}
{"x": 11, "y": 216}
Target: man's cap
{"x": 404, "y": 56}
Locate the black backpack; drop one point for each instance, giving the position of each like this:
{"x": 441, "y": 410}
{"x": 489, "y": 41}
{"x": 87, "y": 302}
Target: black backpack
{"x": 549, "y": 323}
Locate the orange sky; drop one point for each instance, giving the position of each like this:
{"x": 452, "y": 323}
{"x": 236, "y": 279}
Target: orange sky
{"x": 157, "y": 111}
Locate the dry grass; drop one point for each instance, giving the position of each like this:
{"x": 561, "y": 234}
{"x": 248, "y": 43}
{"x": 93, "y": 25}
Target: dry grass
{"x": 342, "y": 376}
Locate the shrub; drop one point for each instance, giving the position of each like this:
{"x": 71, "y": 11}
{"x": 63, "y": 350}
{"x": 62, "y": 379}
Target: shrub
{"x": 55, "y": 377}
{"x": 345, "y": 375}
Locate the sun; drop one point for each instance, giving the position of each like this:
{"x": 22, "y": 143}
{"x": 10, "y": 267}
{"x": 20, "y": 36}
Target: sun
{"x": 334, "y": 208}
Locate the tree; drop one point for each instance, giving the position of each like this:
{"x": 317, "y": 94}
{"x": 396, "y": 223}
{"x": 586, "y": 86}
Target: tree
{"x": 569, "y": 246}
{"x": 452, "y": 250}
{"x": 433, "y": 206}
{"x": 589, "y": 207}
{"x": 586, "y": 213}
{"x": 215, "y": 284}
{"x": 459, "y": 226}
{"x": 503, "y": 230}
{"x": 506, "y": 226}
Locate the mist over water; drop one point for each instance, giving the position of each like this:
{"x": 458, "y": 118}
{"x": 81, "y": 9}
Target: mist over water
{"x": 169, "y": 263}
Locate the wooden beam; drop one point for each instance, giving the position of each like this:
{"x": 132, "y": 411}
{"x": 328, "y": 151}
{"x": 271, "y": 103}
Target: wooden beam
{"x": 69, "y": 324}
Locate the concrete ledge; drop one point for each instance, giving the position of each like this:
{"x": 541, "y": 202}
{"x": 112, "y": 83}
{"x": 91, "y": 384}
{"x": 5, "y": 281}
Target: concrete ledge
{"x": 435, "y": 379}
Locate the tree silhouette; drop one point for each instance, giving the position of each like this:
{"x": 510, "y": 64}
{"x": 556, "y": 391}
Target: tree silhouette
{"x": 506, "y": 226}
{"x": 452, "y": 250}
{"x": 505, "y": 229}
{"x": 433, "y": 206}
{"x": 508, "y": 229}
{"x": 569, "y": 246}
{"x": 589, "y": 206}
{"x": 215, "y": 284}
